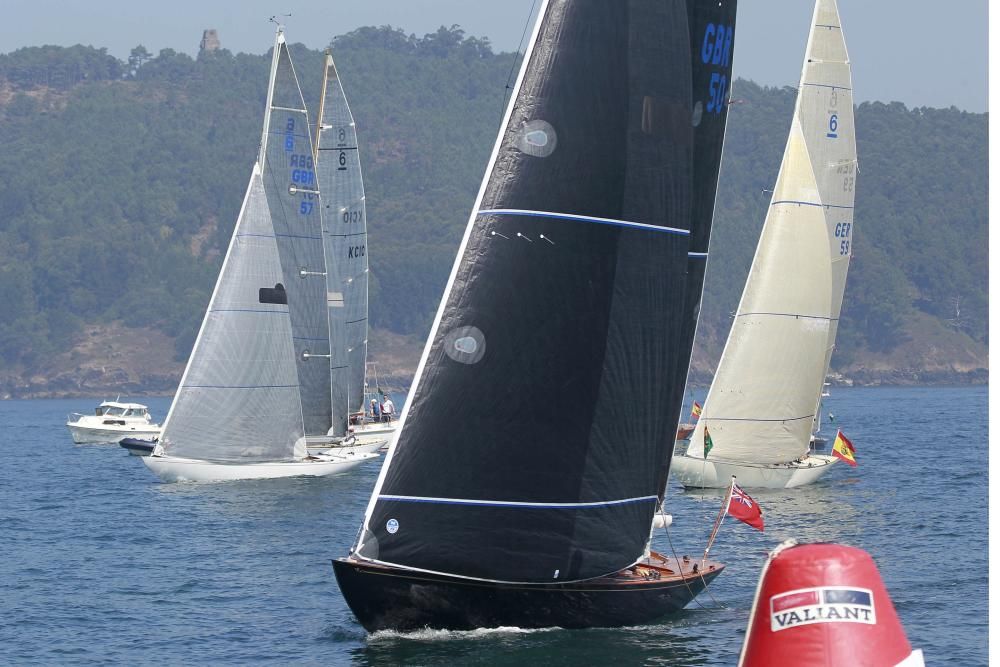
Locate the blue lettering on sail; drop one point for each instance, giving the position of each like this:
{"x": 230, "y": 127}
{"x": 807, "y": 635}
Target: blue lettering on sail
{"x": 716, "y": 49}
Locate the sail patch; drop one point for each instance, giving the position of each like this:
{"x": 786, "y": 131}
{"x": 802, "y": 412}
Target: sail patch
{"x": 466, "y": 345}
{"x": 697, "y": 113}
{"x": 275, "y": 295}
{"x": 537, "y": 138}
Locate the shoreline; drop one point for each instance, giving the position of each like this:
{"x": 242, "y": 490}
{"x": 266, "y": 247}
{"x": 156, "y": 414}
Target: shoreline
{"x": 166, "y": 386}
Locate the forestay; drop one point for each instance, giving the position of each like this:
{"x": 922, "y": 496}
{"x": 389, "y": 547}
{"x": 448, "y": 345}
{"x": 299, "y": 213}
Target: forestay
{"x": 346, "y": 241}
{"x": 766, "y": 392}
{"x": 536, "y": 442}
{"x": 292, "y": 194}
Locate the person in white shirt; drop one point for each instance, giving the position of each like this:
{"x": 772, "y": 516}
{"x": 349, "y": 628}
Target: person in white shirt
{"x": 388, "y": 409}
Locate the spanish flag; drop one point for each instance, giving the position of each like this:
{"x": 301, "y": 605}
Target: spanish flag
{"x": 696, "y": 410}
{"x": 843, "y": 449}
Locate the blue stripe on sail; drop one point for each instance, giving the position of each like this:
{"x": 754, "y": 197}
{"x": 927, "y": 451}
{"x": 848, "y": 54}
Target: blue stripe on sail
{"x": 297, "y": 236}
{"x": 246, "y": 310}
{"x": 282, "y": 133}
{"x": 507, "y": 503}
{"x": 808, "y": 203}
{"x": 238, "y": 386}
{"x": 697, "y": 255}
{"x": 323, "y": 340}
{"x": 583, "y": 218}
{"x": 263, "y": 236}
{"x": 827, "y": 25}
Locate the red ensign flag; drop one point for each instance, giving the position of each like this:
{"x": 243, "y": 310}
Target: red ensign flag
{"x": 745, "y": 508}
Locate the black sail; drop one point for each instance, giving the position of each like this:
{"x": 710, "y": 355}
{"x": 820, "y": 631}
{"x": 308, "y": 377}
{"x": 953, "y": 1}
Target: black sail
{"x": 712, "y": 43}
{"x": 536, "y": 442}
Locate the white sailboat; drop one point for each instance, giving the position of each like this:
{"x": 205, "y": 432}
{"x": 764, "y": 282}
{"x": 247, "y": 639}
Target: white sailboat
{"x": 338, "y": 173}
{"x": 239, "y": 410}
{"x": 763, "y": 401}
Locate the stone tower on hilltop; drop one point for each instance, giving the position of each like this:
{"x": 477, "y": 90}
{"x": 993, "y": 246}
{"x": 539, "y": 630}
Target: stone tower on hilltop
{"x": 210, "y": 41}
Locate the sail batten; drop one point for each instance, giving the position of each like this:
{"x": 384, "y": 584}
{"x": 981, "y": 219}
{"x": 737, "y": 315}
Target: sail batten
{"x": 554, "y": 370}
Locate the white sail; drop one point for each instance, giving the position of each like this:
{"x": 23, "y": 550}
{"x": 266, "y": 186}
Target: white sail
{"x": 338, "y": 167}
{"x": 293, "y": 196}
{"x": 238, "y": 399}
{"x": 765, "y": 394}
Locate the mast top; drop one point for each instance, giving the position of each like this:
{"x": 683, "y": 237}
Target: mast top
{"x": 280, "y": 30}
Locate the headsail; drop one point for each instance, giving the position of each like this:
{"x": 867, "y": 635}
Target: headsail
{"x": 289, "y": 177}
{"x": 339, "y": 174}
{"x": 535, "y": 445}
{"x": 765, "y": 394}
{"x": 239, "y": 397}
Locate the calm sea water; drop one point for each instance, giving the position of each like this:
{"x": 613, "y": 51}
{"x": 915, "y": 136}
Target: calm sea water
{"x": 100, "y": 562}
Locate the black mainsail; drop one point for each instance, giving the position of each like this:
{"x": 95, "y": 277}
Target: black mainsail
{"x": 536, "y": 443}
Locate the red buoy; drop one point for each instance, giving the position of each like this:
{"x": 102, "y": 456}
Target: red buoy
{"x": 824, "y": 604}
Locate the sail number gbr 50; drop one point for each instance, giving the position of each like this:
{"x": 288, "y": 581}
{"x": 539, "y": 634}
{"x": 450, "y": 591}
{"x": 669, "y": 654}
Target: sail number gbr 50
{"x": 717, "y": 49}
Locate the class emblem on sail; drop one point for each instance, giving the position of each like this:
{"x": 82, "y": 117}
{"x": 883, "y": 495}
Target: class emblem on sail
{"x": 765, "y": 395}
{"x": 508, "y": 498}
{"x": 249, "y": 392}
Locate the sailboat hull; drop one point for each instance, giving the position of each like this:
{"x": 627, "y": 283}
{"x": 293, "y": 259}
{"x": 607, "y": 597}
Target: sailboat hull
{"x": 359, "y": 446}
{"x": 389, "y": 598}
{"x": 375, "y": 432}
{"x": 699, "y": 473}
{"x": 173, "y": 469}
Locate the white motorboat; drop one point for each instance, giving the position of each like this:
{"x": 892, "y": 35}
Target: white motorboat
{"x": 766, "y": 395}
{"x": 111, "y": 422}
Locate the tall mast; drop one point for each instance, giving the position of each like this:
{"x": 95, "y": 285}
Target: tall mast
{"x": 327, "y": 64}
{"x": 279, "y": 39}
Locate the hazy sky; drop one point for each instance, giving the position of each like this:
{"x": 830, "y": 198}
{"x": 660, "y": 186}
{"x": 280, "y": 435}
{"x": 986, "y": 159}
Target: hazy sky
{"x": 916, "y": 51}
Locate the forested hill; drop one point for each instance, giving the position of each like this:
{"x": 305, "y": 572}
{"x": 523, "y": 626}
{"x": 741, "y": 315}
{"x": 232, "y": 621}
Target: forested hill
{"x": 120, "y": 183}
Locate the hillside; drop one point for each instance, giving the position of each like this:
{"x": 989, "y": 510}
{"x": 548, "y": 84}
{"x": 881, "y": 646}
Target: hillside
{"x": 120, "y": 182}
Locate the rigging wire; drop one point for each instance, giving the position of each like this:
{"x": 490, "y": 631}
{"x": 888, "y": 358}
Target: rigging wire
{"x": 694, "y": 596}
{"x": 513, "y": 65}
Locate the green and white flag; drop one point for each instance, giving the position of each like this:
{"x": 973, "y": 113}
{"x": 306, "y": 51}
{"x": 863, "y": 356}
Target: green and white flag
{"x": 708, "y": 442}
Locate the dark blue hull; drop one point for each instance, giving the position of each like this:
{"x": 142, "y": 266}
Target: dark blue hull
{"x": 138, "y": 447}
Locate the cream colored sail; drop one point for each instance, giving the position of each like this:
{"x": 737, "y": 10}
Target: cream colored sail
{"x": 766, "y": 391}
